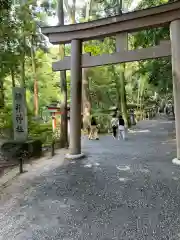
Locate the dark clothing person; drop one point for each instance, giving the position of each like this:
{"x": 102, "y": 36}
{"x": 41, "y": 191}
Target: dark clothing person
{"x": 121, "y": 121}
{"x": 93, "y": 122}
{"x": 121, "y": 128}
{"x": 114, "y": 124}
{"x": 114, "y": 130}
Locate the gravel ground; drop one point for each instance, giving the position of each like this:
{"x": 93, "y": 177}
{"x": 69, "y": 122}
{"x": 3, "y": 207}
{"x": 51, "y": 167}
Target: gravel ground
{"x": 122, "y": 190}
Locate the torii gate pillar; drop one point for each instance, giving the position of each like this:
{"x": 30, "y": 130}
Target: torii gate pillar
{"x": 175, "y": 49}
{"x": 76, "y": 99}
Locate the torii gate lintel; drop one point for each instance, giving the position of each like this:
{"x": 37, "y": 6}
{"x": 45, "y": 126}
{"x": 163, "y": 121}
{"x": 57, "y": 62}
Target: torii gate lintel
{"x": 87, "y": 61}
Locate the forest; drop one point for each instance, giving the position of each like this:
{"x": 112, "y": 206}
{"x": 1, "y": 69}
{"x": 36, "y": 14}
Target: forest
{"x": 26, "y": 58}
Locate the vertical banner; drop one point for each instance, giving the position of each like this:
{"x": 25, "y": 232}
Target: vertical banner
{"x": 20, "y": 114}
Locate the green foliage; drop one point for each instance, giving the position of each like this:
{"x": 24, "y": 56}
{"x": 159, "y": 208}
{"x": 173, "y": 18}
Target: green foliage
{"x": 151, "y": 3}
{"x": 158, "y": 71}
{"x": 20, "y": 35}
{"x": 41, "y": 131}
{"x": 6, "y": 118}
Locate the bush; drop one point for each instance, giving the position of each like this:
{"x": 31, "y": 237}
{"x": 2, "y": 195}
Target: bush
{"x": 6, "y": 124}
{"x": 41, "y": 131}
{"x": 103, "y": 120}
{"x": 14, "y": 150}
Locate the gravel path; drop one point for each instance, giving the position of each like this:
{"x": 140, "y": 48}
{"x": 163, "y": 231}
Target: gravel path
{"x": 122, "y": 190}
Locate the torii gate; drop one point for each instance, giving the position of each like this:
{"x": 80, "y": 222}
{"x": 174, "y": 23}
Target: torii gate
{"x": 119, "y": 26}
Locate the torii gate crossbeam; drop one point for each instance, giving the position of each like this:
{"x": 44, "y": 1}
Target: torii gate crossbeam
{"x": 87, "y": 61}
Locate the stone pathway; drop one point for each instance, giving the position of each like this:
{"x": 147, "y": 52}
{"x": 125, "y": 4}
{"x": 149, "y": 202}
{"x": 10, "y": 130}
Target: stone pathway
{"x": 122, "y": 190}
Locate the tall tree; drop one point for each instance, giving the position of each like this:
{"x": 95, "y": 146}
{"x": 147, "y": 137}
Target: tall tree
{"x": 86, "y": 99}
{"x": 36, "y": 100}
{"x": 64, "y": 120}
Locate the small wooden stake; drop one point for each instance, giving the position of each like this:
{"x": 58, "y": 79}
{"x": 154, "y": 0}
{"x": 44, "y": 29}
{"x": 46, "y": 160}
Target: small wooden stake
{"x": 20, "y": 165}
{"x": 52, "y": 148}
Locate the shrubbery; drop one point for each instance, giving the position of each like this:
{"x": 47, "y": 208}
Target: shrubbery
{"x": 41, "y": 131}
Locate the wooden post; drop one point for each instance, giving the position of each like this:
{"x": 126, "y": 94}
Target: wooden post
{"x": 21, "y": 164}
{"x": 76, "y": 98}
{"x": 175, "y": 40}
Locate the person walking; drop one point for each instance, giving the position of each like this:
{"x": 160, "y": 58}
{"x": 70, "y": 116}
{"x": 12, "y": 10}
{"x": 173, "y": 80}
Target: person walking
{"x": 121, "y": 128}
{"x": 93, "y": 130}
{"x": 114, "y": 125}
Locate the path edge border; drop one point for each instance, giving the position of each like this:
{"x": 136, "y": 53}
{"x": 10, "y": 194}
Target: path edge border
{"x": 176, "y": 161}
{"x": 74, "y": 156}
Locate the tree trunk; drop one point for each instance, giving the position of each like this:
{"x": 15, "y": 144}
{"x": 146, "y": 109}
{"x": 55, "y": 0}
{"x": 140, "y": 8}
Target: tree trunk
{"x": 118, "y": 94}
{"x": 2, "y": 94}
{"x": 73, "y": 12}
{"x": 64, "y": 119}
{"x": 86, "y": 103}
{"x": 123, "y": 94}
{"x": 36, "y": 102}
{"x": 86, "y": 100}
{"x": 141, "y": 107}
{"x": 23, "y": 55}
{"x": 23, "y": 71}
{"x": 13, "y": 77}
